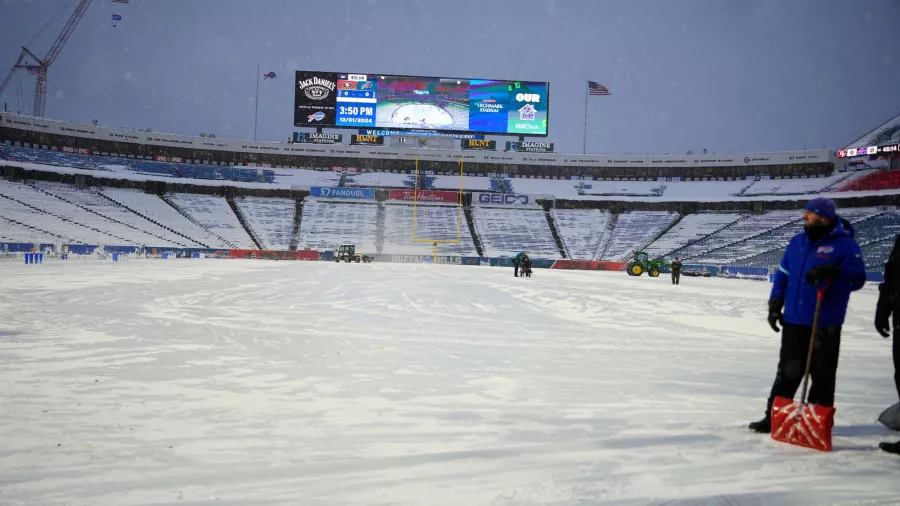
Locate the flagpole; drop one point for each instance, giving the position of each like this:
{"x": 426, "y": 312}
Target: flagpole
{"x": 256, "y": 114}
{"x": 584, "y": 141}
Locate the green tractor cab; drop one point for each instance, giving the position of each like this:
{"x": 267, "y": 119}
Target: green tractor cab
{"x": 642, "y": 264}
{"x": 347, "y": 253}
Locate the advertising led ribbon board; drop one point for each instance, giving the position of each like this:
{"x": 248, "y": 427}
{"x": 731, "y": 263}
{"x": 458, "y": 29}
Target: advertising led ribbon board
{"x": 409, "y": 103}
{"x": 869, "y": 150}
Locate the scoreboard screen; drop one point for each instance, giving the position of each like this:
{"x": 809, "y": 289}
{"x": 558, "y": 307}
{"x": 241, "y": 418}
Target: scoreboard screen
{"x": 411, "y": 103}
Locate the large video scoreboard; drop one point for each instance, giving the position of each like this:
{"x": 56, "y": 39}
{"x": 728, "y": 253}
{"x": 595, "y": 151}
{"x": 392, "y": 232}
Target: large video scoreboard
{"x": 410, "y": 103}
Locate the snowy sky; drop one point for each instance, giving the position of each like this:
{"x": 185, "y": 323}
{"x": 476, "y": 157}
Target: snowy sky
{"x": 718, "y": 74}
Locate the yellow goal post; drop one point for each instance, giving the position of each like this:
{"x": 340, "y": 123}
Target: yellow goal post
{"x": 459, "y": 213}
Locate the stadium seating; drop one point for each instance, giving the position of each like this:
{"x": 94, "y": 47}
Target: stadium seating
{"x": 880, "y": 180}
{"x": 270, "y": 219}
{"x": 435, "y": 222}
{"x": 113, "y": 163}
{"x": 95, "y": 202}
{"x": 155, "y": 209}
{"x": 792, "y": 186}
{"x": 214, "y": 214}
{"x": 876, "y": 253}
{"x": 742, "y": 229}
{"x": 691, "y": 228}
{"x": 69, "y": 220}
{"x": 469, "y": 183}
{"x": 378, "y": 180}
{"x": 583, "y": 231}
{"x": 506, "y": 232}
{"x": 775, "y": 240}
{"x": 634, "y": 230}
{"x": 885, "y": 133}
{"x": 13, "y": 231}
{"x": 325, "y": 225}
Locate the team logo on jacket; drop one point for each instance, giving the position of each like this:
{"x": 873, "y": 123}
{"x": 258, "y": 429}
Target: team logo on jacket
{"x": 825, "y": 249}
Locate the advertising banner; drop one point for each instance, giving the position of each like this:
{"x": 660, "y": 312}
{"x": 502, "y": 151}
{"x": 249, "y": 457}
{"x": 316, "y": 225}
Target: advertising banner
{"x": 317, "y": 138}
{"x": 732, "y": 271}
{"x": 479, "y": 144}
{"x": 366, "y": 140}
{"x": 315, "y": 96}
{"x": 329, "y": 192}
{"x": 589, "y": 265}
{"x": 502, "y": 199}
{"x": 424, "y": 196}
{"x": 305, "y": 255}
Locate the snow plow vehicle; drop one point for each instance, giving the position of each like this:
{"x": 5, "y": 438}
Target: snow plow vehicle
{"x": 347, "y": 253}
{"x": 642, "y": 263}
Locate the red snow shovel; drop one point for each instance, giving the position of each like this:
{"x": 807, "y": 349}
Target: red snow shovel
{"x": 799, "y": 423}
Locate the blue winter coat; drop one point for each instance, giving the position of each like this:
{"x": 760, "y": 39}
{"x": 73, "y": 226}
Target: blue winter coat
{"x": 801, "y": 255}
{"x": 518, "y": 260}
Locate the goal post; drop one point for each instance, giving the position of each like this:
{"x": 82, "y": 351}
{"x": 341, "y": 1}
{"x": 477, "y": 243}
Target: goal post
{"x": 459, "y": 213}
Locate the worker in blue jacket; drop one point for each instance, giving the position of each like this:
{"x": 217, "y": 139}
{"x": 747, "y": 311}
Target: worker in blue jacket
{"x": 825, "y": 252}
{"x": 517, "y": 263}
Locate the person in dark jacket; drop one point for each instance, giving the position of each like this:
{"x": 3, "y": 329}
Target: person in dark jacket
{"x": 887, "y": 309}
{"x": 526, "y": 266}
{"x": 517, "y": 263}
{"x": 676, "y": 271}
{"x": 825, "y": 252}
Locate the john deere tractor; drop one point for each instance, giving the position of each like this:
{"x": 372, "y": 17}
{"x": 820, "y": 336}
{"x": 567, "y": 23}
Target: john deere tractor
{"x": 347, "y": 253}
{"x": 642, "y": 264}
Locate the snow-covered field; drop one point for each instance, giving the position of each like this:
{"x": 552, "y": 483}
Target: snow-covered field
{"x": 238, "y": 382}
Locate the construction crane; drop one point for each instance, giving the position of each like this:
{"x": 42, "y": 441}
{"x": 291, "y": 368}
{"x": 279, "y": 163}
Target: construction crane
{"x": 40, "y": 67}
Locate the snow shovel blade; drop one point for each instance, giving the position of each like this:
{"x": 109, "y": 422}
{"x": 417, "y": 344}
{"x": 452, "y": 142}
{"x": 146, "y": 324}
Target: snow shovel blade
{"x": 890, "y": 417}
{"x": 802, "y": 424}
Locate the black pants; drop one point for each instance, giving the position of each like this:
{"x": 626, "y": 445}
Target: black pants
{"x": 515, "y": 270}
{"x": 792, "y": 362}
{"x": 897, "y": 357}
{"x": 676, "y": 277}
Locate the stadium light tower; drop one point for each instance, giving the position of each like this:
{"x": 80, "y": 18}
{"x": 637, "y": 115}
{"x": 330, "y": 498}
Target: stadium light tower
{"x": 41, "y": 66}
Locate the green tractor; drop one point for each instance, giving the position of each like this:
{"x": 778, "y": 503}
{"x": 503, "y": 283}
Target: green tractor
{"x": 642, "y": 264}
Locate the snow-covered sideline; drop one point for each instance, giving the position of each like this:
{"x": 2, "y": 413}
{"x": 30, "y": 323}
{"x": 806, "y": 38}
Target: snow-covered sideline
{"x": 243, "y": 382}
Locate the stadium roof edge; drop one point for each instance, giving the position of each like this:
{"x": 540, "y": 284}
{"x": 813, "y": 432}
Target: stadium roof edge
{"x": 859, "y": 138}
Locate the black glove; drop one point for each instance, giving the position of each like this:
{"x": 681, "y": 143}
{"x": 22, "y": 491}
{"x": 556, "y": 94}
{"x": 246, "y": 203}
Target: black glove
{"x": 822, "y": 272}
{"x": 775, "y": 315}
{"x": 883, "y": 313}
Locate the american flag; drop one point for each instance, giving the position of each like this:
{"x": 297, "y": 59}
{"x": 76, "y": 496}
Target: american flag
{"x": 597, "y": 89}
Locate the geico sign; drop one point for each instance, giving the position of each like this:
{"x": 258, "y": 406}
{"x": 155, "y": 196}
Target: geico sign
{"x": 503, "y": 199}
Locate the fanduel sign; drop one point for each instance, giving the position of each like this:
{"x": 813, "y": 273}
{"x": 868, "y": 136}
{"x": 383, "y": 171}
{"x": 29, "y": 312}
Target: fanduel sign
{"x": 342, "y": 193}
{"x": 502, "y": 199}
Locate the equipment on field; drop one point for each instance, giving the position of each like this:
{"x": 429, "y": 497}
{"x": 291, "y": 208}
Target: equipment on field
{"x": 890, "y": 417}
{"x": 800, "y": 423}
{"x": 642, "y": 263}
{"x": 347, "y": 253}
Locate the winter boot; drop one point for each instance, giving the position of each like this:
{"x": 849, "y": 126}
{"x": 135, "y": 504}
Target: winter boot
{"x": 763, "y": 426}
{"x": 890, "y": 447}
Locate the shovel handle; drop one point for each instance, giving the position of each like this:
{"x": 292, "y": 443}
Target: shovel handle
{"x": 820, "y": 294}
